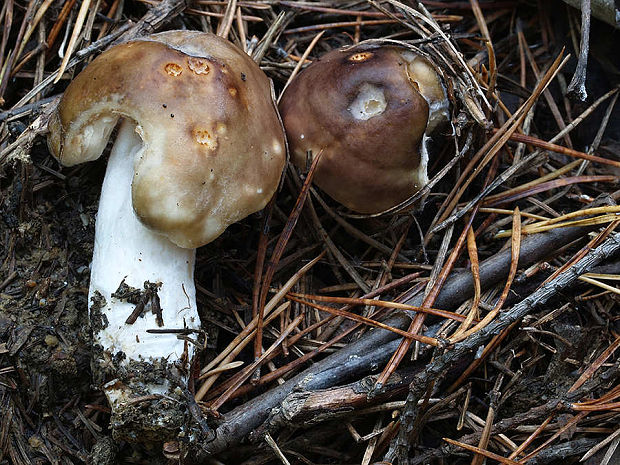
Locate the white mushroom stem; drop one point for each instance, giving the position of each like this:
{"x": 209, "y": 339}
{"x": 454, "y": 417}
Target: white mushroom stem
{"x": 126, "y": 250}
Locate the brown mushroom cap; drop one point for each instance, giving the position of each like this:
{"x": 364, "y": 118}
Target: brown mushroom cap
{"x": 213, "y": 144}
{"x": 364, "y": 107}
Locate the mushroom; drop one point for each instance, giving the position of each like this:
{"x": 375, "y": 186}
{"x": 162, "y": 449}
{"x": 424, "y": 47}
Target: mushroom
{"x": 200, "y": 147}
{"x": 371, "y": 109}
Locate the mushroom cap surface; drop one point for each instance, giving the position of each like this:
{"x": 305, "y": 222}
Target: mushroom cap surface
{"x": 364, "y": 107}
{"x": 213, "y": 144}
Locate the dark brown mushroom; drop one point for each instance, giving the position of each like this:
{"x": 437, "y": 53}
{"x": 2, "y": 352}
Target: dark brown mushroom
{"x": 370, "y": 110}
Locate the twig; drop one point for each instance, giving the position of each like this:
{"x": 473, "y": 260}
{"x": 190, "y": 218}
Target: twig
{"x": 279, "y": 250}
{"x": 611, "y": 246}
{"x": 77, "y": 29}
{"x": 154, "y": 19}
{"x": 269, "y": 440}
{"x": 577, "y": 87}
{"x": 377, "y": 346}
{"x": 307, "y": 408}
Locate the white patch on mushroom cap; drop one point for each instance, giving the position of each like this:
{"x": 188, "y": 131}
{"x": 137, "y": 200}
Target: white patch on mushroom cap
{"x": 370, "y": 101}
{"x": 276, "y": 147}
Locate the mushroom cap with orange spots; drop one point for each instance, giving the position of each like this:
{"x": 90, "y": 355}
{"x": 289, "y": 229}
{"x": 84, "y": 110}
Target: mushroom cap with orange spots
{"x": 367, "y": 108}
{"x": 213, "y": 144}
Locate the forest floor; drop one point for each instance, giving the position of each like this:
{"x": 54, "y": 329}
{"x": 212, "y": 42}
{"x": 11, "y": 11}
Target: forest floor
{"x": 517, "y": 241}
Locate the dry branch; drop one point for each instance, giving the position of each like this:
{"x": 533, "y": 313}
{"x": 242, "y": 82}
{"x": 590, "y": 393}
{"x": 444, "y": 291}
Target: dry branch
{"x": 377, "y": 346}
{"x": 436, "y": 369}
